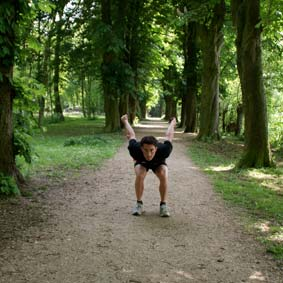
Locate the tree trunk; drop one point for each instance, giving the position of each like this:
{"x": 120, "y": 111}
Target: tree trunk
{"x": 41, "y": 102}
{"x": 83, "y": 94}
{"x": 246, "y": 17}
{"x": 191, "y": 79}
{"x": 224, "y": 112}
{"x": 7, "y": 92}
{"x": 41, "y": 77}
{"x": 124, "y": 106}
{"x": 183, "y": 110}
{"x": 211, "y": 43}
{"x": 58, "y": 107}
{"x": 143, "y": 108}
{"x": 168, "y": 106}
{"x": 240, "y": 116}
{"x": 111, "y": 100}
{"x": 132, "y": 109}
{"x": 7, "y": 162}
{"x": 112, "y": 115}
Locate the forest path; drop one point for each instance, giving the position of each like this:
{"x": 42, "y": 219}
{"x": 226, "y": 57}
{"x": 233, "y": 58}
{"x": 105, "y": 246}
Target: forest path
{"x": 88, "y": 235}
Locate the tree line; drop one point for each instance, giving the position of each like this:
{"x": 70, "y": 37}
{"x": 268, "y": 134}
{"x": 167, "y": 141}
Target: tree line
{"x": 213, "y": 63}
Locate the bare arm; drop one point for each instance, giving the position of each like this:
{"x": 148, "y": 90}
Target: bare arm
{"x": 130, "y": 132}
{"x": 170, "y": 130}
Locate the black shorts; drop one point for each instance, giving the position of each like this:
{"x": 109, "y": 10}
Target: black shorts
{"x": 148, "y": 166}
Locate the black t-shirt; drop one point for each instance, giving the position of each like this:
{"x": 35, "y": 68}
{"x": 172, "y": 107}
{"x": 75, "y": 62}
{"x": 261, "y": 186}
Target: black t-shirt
{"x": 163, "y": 151}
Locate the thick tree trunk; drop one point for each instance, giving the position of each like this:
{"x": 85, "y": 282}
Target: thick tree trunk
{"x": 132, "y": 108}
{"x": 224, "y": 112}
{"x": 246, "y": 16}
{"x": 110, "y": 91}
{"x": 7, "y": 92}
{"x": 211, "y": 43}
{"x": 112, "y": 115}
{"x": 40, "y": 76}
{"x": 240, "y": 117}
{"x": 58, "y": 107}
{"x": 41, "y": 103}
{"x": 183, "y": 110}
{"x": 168, "y": 107}
{"x": 191, "y": 79}
{"x": 124, "y": 106}
{"x": 143, "y": 109}
{"x": 7, "y": 162}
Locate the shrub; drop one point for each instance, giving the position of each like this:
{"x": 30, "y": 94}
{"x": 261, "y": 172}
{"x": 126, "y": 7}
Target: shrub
{"x": 8, "y": 186}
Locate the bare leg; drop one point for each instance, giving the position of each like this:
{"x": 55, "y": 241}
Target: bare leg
{"x": 162, "y": 174}
{"x": 139, "y": 183}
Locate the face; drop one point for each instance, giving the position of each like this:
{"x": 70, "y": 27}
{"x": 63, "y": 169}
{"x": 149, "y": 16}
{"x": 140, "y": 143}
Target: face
{"x": 148, "y": 151}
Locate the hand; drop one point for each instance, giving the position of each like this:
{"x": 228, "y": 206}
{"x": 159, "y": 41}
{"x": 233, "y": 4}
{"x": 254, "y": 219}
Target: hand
{"x": 173, "y": 121}
{"x": 124, "y": 118}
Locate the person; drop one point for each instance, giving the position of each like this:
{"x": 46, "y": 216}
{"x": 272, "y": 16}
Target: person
{"x": 150, "y": 154}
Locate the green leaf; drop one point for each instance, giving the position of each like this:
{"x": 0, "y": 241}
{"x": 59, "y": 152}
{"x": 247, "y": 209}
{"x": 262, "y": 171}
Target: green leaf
{"x": 45, "y": 6}
{"x": 5, "y": 51}
{"x": 34, "y": 44}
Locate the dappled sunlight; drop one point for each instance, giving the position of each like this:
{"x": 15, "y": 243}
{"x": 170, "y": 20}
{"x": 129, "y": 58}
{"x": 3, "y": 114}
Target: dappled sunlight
{"x": 220, "y": 168}
{"x": 277, "y": 237}
{"x": 266, "y": 227}
{"x": 184, "y": 274}
{"x": 273, "y": 186}
{"x": 270, "y": 181}
{"x": 259, "y": 175}
{"x": 263, "y": 226}
{"x": 257, "y": 276}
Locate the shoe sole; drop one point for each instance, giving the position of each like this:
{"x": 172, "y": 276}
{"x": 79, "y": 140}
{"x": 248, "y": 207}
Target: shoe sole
{"x": 165, "y": 215}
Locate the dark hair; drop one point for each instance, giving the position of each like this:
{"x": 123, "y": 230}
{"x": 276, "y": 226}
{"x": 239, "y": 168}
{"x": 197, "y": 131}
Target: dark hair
{"x": 149, "y": 140}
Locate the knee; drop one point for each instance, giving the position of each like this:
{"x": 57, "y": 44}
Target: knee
{"x": 140, "y": 173}
{"x": 140, "y": 176}
{"x": 162, "y": 173}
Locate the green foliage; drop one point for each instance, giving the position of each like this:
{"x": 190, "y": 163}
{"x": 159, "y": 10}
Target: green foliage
{"x": 23, "y": 129}
{"x": 8, "y": 186}
{"x": 274, "y": 248}
{"x": 25, "y": 103}
{"x": 21, "y": 145}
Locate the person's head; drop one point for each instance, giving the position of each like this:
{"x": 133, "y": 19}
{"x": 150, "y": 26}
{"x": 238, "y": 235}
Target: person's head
{"x": 148, "y": 147}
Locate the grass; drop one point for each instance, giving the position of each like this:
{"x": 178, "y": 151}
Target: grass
{"x": 69, "y": 146}
{"x": 258, "y": 191}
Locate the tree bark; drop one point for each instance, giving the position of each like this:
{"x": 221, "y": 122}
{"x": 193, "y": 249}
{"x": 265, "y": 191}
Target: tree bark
{"x": 7, "y": 92}
{"x": 246, "y": 17}
{"x": 7, "y": 162}
{"x": 110, "y": 91}
{"x": 211, "y": 43}
{"x": 58, "y": 107}
{"x": 83, "y": 94}
{"x": 191, "y": 79}
{"x": 143, "y": 109}
{"x": 240, "y": 116}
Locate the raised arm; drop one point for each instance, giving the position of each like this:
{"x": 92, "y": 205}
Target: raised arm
{"x": 130, "y": 132}
{"x": 170, "y": 130}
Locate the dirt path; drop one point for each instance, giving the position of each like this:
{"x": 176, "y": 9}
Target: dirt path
{"x": 83, "y": 231}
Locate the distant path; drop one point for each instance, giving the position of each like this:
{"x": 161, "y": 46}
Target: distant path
{"x": 88, "y": 234}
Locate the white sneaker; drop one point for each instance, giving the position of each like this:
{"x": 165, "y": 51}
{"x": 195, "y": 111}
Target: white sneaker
{"x": 138, "y": 209}
{"x": 164, "y": 212}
